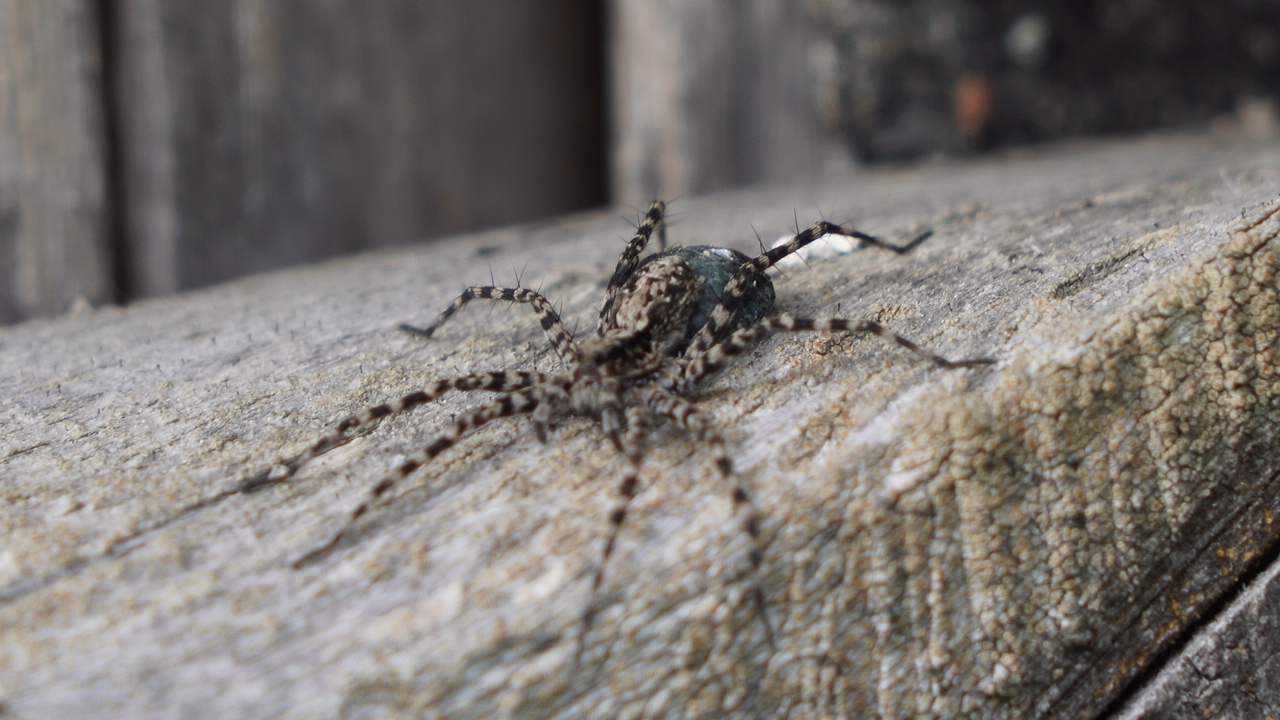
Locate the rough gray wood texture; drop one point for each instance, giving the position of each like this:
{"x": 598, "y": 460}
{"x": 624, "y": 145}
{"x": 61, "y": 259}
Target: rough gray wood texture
{"x": 261, "y": 134}
{"x": 1228, "y": 670}
{"x": 1019, "y": 541}
{"x": 54, "y": 218}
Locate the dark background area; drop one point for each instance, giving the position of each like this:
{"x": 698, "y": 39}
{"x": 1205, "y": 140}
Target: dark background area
{"x": 148, "y": 147}
{"x": 1034, "y": 71}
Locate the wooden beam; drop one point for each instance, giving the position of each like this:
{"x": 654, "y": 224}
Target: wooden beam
{"x": 1025, "y": 540}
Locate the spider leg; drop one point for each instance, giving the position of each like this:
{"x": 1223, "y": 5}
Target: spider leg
{"x": 631, "y": 258}
{"x": 716, "y": 328}
{"x": 617, "y": 516}
{"x": 699, "y": 365}
{"x": 898, "y": 249}
{"x": 560, "y": 338}
{"x": 684, "y": 414}
{"x": 638, "y": 426}
{"x": 518, "y": 402}
{"x": 342, "y": 433}
{"x": 624, "y": 430}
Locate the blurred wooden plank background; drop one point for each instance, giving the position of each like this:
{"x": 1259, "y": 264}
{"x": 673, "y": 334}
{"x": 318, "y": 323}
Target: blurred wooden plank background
{"x": 54, "y": 217}
{"x": 148, "y": 147}
{"x": 262, "y": 133}
{"x": 255, "y": 134}
{"x": 712, "y": 95}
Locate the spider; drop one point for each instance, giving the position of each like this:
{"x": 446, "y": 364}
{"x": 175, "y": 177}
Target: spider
{"x": 668, "y": 322}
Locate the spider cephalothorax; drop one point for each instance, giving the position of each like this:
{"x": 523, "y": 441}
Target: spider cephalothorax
{"x": 714, "y": 268}
{"x": 668, "y": 322}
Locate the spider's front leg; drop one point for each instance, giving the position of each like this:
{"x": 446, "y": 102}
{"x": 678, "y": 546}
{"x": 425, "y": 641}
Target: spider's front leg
{"x": 559, "y": 337}
{"x": 660, "y": 403}
{"x": 625, "y": 429}
{"x": 684, "y": 414}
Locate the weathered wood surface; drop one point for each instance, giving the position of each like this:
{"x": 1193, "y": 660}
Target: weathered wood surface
{"x": 1010, "y": 542}
{"x": 258, "y": 134}
{"x": 1228, "y": 670}
{"x": 54, "y": 216}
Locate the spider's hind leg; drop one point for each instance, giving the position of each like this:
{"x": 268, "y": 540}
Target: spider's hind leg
{"x": 699, "y": 365}
{"x": 737, "y": 290}
{"x": 344, "y": 431}
{"x": 559, "y": 337}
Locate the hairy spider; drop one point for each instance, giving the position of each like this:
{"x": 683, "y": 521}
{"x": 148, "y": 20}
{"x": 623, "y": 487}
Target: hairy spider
{"x": 667, "y": 323}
